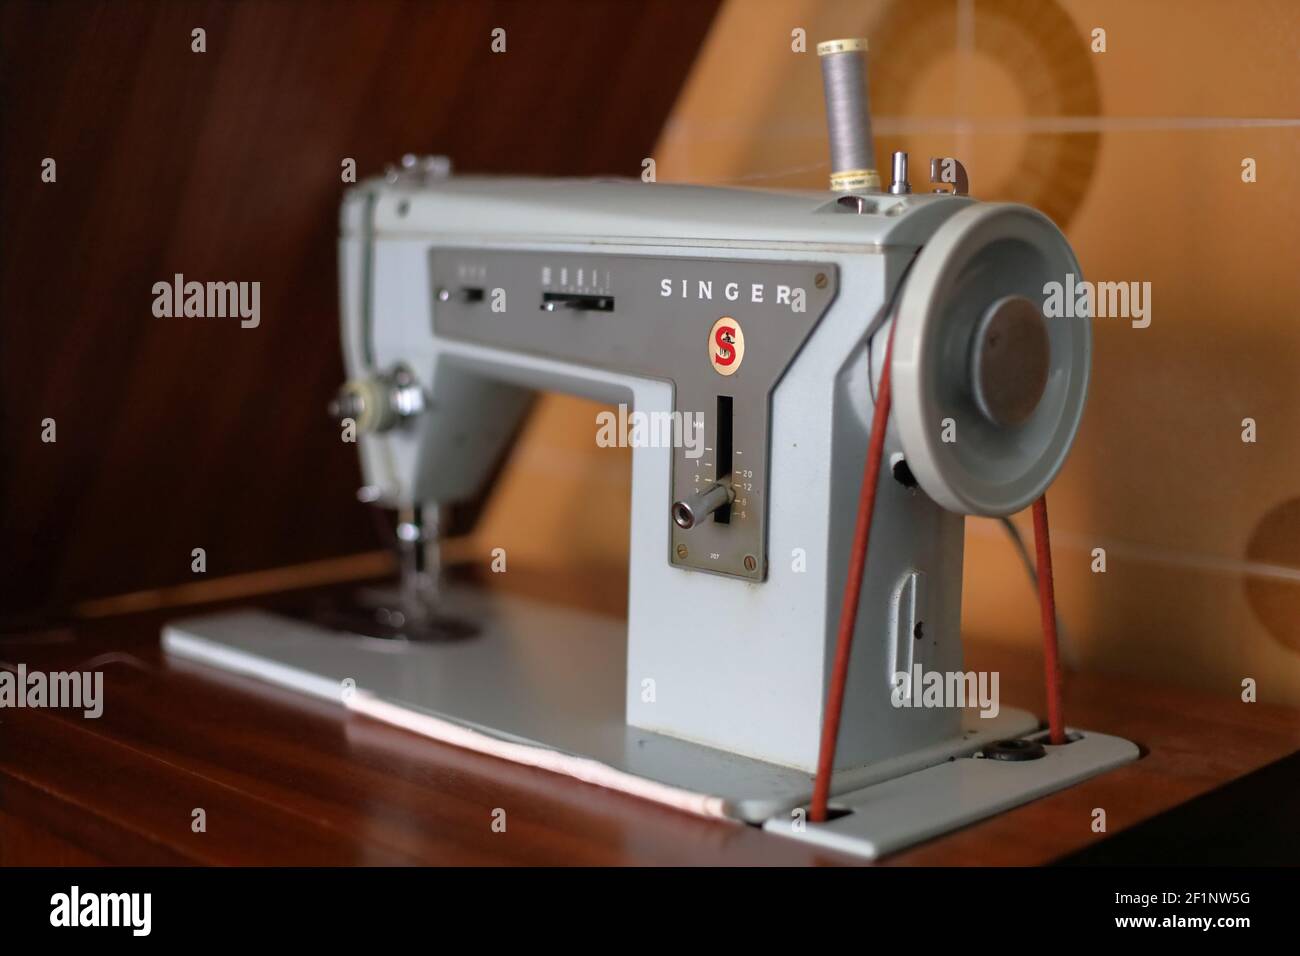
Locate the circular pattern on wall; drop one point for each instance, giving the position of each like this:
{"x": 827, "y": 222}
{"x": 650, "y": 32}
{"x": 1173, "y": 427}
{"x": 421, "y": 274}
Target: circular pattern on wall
{"x": 1028, "y": 53}
{"x": 1275, "y": 542}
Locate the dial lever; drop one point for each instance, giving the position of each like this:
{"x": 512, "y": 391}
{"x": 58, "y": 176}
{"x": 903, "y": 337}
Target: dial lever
{"x": 690, "y": 511}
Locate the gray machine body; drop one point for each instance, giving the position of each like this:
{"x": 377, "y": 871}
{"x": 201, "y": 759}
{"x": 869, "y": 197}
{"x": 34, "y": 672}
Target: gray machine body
{"x": 764, "y": 317}
{"x": 723, "y": 652}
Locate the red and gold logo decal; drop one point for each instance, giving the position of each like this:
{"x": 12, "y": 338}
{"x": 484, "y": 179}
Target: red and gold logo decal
{"x": 726, "y": 346}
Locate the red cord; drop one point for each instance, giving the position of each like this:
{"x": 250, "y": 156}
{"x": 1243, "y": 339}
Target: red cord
{"x": 852, "y": 594}
{"x": 1047, "y": 607}
{"x": 853, "y": 591}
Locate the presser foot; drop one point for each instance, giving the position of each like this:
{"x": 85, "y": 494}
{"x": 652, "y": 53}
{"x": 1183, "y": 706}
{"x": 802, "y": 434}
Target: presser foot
{"x": 392, "y": 614}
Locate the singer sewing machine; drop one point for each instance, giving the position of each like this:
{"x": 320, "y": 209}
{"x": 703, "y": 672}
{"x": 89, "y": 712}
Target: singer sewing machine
{"x": 759, "y": 320}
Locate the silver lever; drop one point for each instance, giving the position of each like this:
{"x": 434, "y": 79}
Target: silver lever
{"x": 688, "y": 512}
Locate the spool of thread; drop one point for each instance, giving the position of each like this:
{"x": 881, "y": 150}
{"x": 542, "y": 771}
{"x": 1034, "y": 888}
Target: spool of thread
{"x": 848, "y": 115}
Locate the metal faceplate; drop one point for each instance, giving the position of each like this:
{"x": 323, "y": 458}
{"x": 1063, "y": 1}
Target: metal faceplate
{"x": 658, "y": 317}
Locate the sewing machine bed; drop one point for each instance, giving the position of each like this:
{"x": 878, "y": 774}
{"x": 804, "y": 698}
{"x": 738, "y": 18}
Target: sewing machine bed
{"x": 544, "y": 685}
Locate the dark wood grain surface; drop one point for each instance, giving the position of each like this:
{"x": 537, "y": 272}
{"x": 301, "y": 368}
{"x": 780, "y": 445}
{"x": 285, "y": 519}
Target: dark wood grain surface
{"x": 174, "y": 434}
{"x": 287, "y": 780}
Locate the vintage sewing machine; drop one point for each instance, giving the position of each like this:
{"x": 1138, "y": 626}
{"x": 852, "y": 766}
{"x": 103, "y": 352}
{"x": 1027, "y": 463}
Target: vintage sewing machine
{"x": 760, "y": 320}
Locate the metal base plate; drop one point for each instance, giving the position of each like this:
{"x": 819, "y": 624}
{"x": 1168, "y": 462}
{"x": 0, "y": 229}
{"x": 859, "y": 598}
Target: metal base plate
{"x": 537, "y": 676}
{"x": 891, "y": 815}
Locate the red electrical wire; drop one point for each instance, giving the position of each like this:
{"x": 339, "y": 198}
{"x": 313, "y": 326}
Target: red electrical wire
{"x": 853, "y": 590}
{"x": 852, "y": 593}
{"x": 1047, "y": 607}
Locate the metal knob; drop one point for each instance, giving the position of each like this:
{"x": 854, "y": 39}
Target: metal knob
{"x": 688, "y": 512}
{"x": 378, "y": 402}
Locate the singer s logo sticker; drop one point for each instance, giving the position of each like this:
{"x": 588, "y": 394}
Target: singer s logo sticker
{"x": 726, "y": 346}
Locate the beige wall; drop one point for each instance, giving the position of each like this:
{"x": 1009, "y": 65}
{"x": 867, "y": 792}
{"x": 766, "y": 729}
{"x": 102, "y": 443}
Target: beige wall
{"x": 1137, "y": 153}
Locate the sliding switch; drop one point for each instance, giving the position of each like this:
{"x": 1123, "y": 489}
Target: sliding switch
{"x": 688, "y": 512}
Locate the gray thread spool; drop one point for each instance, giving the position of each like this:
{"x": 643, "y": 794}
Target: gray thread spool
{"x": 848, "y": 116}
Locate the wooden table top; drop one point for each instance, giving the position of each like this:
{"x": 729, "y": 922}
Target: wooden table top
{"x": 284, "y": 779}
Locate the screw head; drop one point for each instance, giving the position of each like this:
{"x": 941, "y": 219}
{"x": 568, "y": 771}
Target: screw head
{"x": 682, "y": 551}
{"x": 751, "y": 563}
{"x": 820, "y": 280}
